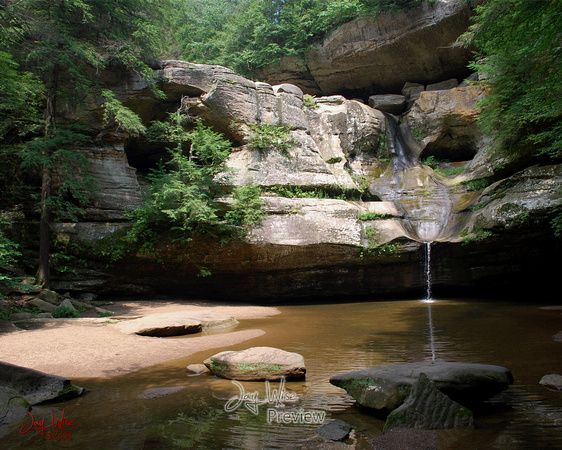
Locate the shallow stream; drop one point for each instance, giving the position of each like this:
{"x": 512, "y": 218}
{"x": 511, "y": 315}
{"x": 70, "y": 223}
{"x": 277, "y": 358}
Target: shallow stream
{"x": 333, "y": 338}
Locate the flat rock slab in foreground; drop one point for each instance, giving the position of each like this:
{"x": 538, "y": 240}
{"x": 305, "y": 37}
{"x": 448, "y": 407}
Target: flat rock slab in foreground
{"x": 37, "y": 387}
{"x": 256, "y": 364}
{"x": 385, "y": 388}
{"x": 176, "y": 323}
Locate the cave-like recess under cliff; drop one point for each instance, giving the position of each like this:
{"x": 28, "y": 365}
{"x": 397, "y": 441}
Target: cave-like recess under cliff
{"x": 498, "y": 239}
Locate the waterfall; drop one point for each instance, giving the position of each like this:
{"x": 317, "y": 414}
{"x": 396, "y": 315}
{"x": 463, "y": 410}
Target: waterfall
{"x": 404, "y": 158}
{"x": 425, "y": 202}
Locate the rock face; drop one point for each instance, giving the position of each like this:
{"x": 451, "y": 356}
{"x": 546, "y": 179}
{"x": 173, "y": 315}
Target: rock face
{"x": 379, "y": 55}
{"x": 257, "y": 363}
{"x": 443, "y": 123}
{"x": 427, "y": 408}
{"x": 386, "y": 388}
{"x": 176, "y": 323}
{"x": 37, "y": 387}
{"x": 336, "y": 148}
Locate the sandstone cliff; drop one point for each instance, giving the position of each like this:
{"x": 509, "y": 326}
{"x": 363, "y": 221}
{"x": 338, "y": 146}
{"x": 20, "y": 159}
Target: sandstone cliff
{"x": 325, "y": 246}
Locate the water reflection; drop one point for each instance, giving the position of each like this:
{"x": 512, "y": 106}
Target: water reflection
{"x": 333, "y": 338}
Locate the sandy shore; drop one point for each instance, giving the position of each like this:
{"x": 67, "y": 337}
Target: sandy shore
{"x": 86, "y": 348}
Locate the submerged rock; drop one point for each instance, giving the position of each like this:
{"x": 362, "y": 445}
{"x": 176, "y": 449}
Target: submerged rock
{"x": 37, "y": 387}
{"x": 157, "y": 392}
{"x": 336, "y": 430}
{"x": 427, "y": 408}
{"x": 176, "y": 323}
{"x": 553, "y": 381}
{"x": 256, "y": 364}
{"x": 385, "y": 388}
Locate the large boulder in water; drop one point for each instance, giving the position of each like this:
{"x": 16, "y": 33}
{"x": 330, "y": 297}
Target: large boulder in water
{"x": 257, "y": 363}
{"x": 385, "y": 388}
{"x": 427, "y": 408}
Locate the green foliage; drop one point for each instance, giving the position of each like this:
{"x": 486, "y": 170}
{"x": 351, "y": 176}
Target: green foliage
{"x": 374, "y": 216}
{"x": 477, "y": 234}
{"x": 183, "y": 192}
{"x": 265, "y": 136}
{"x": 74, "y": 184}
{"x": 20, "y": 96}
{"x": 249, "y": 34}
{"x": 477, "y": 184}
{"x": 9, "y": 260}
{"x": 334, "y": 160}
{"x": 298, "y": 192}
{"x": 118, "y": 115}
{"x": 65, "y": 312}
{"x": 520, "y": 55}
{"x": 376, "y": 248}
{"x": 247, "y": 207}
{"x": 310, "y": 101}
{"x": 441, "y": 166}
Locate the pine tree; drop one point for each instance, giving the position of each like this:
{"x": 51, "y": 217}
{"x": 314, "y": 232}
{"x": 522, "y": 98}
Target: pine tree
{"x": 62, "y": 43}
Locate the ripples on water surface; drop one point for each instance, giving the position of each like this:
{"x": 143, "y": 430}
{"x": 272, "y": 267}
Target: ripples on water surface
{"x": 333, "y": 338}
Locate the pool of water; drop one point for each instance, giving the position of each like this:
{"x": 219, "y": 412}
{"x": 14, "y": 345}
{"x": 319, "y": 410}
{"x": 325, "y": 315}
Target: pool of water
{"x": 333, "y": 338}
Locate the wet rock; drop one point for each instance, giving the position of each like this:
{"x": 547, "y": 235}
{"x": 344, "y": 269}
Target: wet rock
{"x": 336, "y": 430}
{"x": 553, "y": 381}
{"x": 12, "y": 405}
{"x": 176, "y": 323}
{"x": 196, "y": 369}
{"x": 427, "y": 408}
{"x": 385, "y": 388}
{"x": 157, "y": 392}
{"x": 37, "y": 387}
{"x": 257, "y": 363}
{"x": 405, "y": 438}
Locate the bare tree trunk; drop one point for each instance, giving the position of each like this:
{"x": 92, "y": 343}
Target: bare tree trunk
{"x": 45, "y": 230}
{"x": 44, "y": 271}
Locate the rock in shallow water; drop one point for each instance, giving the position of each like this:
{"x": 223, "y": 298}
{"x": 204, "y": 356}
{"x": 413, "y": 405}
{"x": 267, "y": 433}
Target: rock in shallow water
{"x": 385, "y": 388}
{"x": 176, "y": 323}
{"x": 257, "y": 363}
{"x": 427, "y": 408}
{"x": 553, "y": 381}
{"x": 336, "y": 430}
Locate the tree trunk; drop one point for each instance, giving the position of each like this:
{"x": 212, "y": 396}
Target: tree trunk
{"x": 44, "y": 270}
{"x": 45, "y": 230}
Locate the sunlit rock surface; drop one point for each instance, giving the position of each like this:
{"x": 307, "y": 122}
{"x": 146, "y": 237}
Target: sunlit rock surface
{"x": 257, "y": 363}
